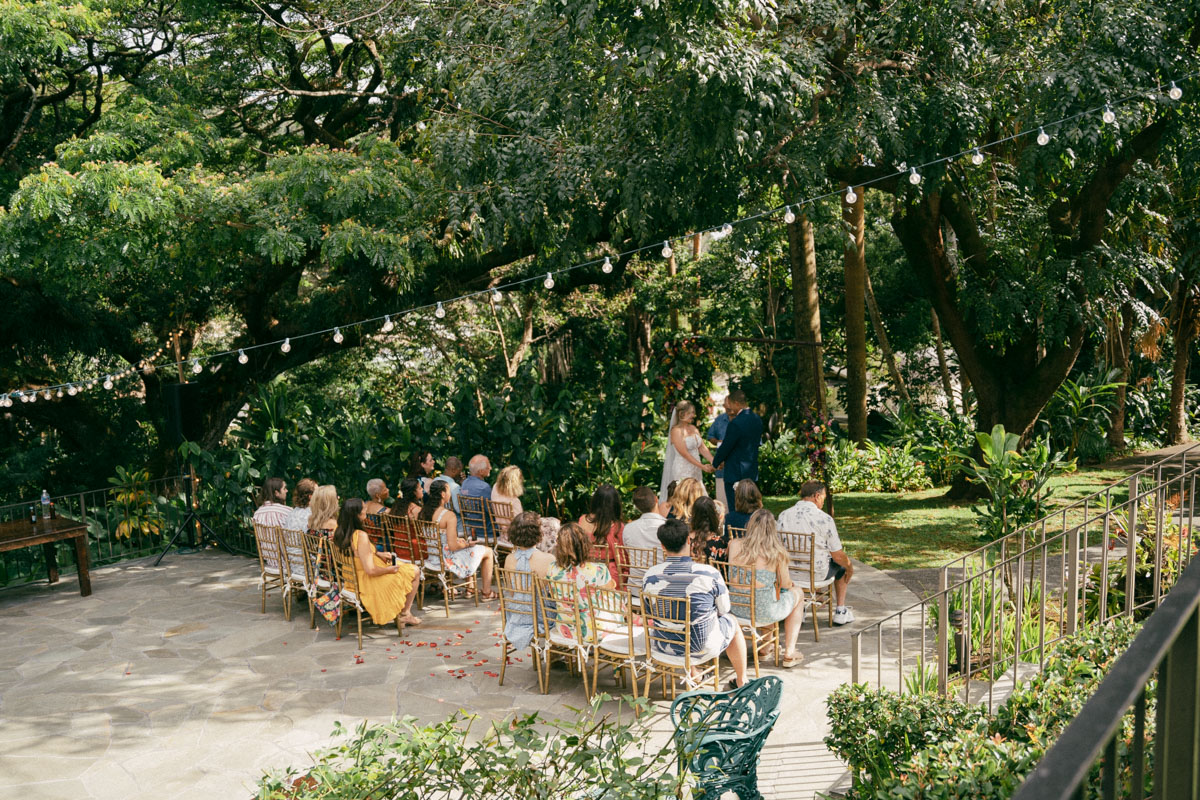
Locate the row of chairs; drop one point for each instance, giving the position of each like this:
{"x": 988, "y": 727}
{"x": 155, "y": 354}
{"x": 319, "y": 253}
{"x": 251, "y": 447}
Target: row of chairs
{"x": 634, "y": 633}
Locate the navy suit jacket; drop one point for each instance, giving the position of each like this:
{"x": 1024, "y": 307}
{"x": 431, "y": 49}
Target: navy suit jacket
{"x": 739, "y": 449}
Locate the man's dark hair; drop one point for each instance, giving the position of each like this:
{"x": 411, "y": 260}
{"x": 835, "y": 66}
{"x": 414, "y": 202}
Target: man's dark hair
{"x": 644, "y": 499}
{"x": 454, "y": 466}
{"x": 811, "y": 489}
{"x": 673, "y": 535}
{"x": 739, "y": 397}
{"x": 526, "y": 529}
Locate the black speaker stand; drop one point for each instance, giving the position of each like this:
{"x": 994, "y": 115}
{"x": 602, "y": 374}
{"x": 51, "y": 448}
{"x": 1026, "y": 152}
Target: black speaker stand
{"x": 191, "y": 519}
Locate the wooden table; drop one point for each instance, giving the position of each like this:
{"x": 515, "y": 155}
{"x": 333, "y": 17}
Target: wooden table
{"x": 48, "y": 532}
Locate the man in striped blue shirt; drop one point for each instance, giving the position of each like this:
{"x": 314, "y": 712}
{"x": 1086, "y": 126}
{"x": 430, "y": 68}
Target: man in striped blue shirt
{"x": 713, "y": 628}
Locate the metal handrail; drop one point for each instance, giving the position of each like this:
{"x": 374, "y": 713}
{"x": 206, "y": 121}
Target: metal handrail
{"x": 1167, "y": 643}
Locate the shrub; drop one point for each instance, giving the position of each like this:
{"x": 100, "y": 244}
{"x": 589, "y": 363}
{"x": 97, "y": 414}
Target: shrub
{"x": 939, "y": 439}
{"x": 782, "y": 466}
{"x": 527, "y": 757}
{"x": 875, "y": 468}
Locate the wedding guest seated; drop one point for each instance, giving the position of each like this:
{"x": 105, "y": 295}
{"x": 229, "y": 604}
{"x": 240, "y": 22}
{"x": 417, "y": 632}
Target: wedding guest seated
{"x": 572, "y": 562}
{"x": 271, "y": 510}
{"x": 525, "y": 533}
{"x": 709, "y": 540}
{"x": 411, "y": 496}
{"x": 476, "y": 485}
{"x": 664, "y": 506}
{"x": 603, "y": 524}
{"x": 510, "y": 485}
{"x": 421, "y": 467}
{"x": 324, "y": 505}
{"x": 686, "y": 494}
{"x": 301, "y": 497}
{"x": 377, "y": 494}
{"x": 776, "y": 598}
{"x": 452, "y": 476}
{"x": 747, "y": 500}
{"x": 714, "y": 629}
{"x": 386, "y": 590}
{"x": 460, "y": 556}
{"x": 643, "y": 531}
{"x": 807, "y": 517}
{"x": 550, "y": 528}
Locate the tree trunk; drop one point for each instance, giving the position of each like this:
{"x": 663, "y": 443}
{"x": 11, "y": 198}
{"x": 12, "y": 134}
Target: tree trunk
{"x": 1119, "y": 343}
{"x": 855, "y": 268}
{"x": 1184, "y": 331}
{"x": 889, "y": 357}
{"x": 806, "y": 316}
{"x": 943, "y": 368}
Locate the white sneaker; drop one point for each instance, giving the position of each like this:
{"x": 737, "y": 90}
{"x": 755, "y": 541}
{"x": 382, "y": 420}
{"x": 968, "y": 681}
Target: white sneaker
{"x": 843, "y": 616}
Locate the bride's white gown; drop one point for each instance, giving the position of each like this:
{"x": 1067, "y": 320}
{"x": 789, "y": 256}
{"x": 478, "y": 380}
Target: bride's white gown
{"x": 677, "y": 467}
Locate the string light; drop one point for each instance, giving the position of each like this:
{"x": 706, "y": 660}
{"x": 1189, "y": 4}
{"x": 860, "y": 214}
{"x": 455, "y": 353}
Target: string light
{"x": 46, "y": 394}
{"x": 549, "y": 282}
{"x": 196, "y": 368}
{"x": 337, "y": 336}
{"x": 496, "y": 296}
{"x": 58, "y": 394}
{"x": 242, "y": 357}
{"x": 975, "y": 154}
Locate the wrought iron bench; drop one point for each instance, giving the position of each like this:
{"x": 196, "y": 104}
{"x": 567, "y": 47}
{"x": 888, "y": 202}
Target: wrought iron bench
{"x": 719, "y": 736}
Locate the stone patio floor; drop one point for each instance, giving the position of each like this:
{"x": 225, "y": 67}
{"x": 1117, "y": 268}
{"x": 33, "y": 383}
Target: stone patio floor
{"x": 168, "y": 682}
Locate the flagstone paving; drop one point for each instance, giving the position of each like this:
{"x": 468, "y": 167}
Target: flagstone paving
{"x": 168, "y": 682}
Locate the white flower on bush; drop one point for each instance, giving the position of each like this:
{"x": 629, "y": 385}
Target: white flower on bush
{"x": 366, "y": 455}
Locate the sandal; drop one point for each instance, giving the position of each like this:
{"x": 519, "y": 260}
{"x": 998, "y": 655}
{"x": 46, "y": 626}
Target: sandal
{"x": 409, "y": 619}
{"x": 792, "y": 661}
{"x": 490, "y": 596}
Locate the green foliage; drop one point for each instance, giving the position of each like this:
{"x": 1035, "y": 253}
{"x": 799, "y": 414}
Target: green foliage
{"x": 592, "y": 755}
{"x": 782, "y": 466}
{"x": 1148, "y": 405}
{"x": 875, "y": 468}
{"x": 1016, "y": 482}
{"x": 133, "y": 505}
{"x": 938, "y": 438}
{"x": 1078, "y": 416}
{"x": 1152, "y": 572}
{"x": 921, "y": 747}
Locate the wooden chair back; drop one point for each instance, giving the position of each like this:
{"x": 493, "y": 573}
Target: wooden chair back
{"x": 561, "y": 611}
{"x": 501, "y": 512}
{"x": 291, "y": 544}
{"x": 477, "y": 519}
{"x": 270, "y": 559}
{"x": 801, "y": 548}
{"x": 317, "y": 564}
{"x": 668, "y": 623}
{"x": 402, "y": 539}
{"x": 635, "y": 561}
{"x": 346, "y": 568}
{"x": 735, "y": 533}
{"x": 739, "y": 581}
{"x": 429, "y": 538}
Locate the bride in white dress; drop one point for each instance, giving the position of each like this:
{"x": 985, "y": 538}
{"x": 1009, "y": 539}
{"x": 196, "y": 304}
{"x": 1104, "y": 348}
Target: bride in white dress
{"x": 685, "y": 447}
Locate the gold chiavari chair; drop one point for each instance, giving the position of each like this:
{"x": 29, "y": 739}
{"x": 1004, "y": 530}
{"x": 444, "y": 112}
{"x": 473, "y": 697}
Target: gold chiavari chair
{"x": 619, "y": 643}
{"x": 736, "y": 533}
{"x": 802, "y": 560}
{"x": 345, "y": 564}
{"x": 517, "y": 601}
{"x": 477, "y": 520}
{"x": 563, "y": 624}
{"x": 501, "y": 512}
{"x": 291, "y": 550}
{"x": 635, "y": 561}
{"x": 434, "y": 565}
{"x": 406, "y": 544}
{"x": 318, "y": 569}
{"x": 272, "y": 572}
{"x": 668, "y": 625}
{"x": 742, "y": 604}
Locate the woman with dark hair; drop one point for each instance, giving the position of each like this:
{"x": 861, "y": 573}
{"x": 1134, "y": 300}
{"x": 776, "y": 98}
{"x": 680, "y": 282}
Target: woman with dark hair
{"x": 746, "y": 500}
{"x": 459, "y": 554}
{"x": 709, "y": 540}
{"x": 525, "y": 533}
{"x": 572, "y": 562}
{"x": 385, "y": 589}
{"x": 420, "y": 466}
{"x": 603, "y": 523}
{"x": 301, "y": 497}
{"x": 411, "y": 496}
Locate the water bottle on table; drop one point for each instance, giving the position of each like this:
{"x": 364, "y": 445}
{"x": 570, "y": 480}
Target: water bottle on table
{"x": 45, "y": 504}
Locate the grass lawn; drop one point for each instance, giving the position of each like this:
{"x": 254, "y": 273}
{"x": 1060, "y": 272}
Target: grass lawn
{"x": 915, "y": 530}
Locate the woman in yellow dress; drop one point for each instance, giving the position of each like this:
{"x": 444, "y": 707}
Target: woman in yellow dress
{"x": 385, "y": 589}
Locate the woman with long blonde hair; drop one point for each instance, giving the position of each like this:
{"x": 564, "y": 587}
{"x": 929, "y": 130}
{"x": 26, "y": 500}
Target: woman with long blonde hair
{"x": 510, "y": 485}
{"x": 686, "y": 494}
{"x": 761, "y": 552}
{"x": 324, "y": 505}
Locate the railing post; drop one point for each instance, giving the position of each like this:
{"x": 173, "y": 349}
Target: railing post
{"x": 855, "y": 655}
{"x": 1131, "y": 547}
{"x": 943, "y": 657}
{"x": 1073, "y": 582}
{"x": 1178, "y": 730}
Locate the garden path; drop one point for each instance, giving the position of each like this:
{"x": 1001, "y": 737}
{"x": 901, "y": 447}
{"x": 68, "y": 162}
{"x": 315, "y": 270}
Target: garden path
{"x": 169, "y": 682}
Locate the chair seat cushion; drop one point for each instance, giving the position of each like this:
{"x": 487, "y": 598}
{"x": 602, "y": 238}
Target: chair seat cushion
{"x": 619, "y": 643}
{"x": 821, "y": 584}
{"x": 678, "y": 661}
{"x": 562, "y": 641}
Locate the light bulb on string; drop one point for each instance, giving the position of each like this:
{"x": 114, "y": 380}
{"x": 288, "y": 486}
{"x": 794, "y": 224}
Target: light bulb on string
{"x": 1043, "y": 138}
{"x": 24, "y": 397}
{"x": 108, "y": 383}
{"x": 242, "y": 357}
{"x": 497, "y": 297}
{"x": 32, "y": 397}
{"x": 851, "y": 196}
{"x": 286, "y": 347}
{"x": 977, "y": 157}
{"x": 789, "y": 216}
{"x": 71, "y": 390}
{"x": 667, "y": 252}
{"x": 1174, "y": 92}
{"x": 726, "y": 229}
{"x": 439, "y": 312}
{"x": 606, "y": 267}
{"x": 196, "y": 367}
{"x": 914, "y": 177}
{"x": 46, "y": 394}
{"x": 1108, "y": 116}
{"x": 58, "y": 394}
{"x": 337, "y": 336}
{"x": 387, "y": 324}
{"x": 549, "y": 282}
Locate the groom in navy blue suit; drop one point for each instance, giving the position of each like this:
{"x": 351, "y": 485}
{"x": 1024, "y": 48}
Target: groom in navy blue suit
{"x": 739, "y": 450}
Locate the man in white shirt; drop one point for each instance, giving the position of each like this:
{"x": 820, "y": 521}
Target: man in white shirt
{"x": 831, "y": 560}
{"x": 643, "y": 531}
{"x": 273, "y": 513}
